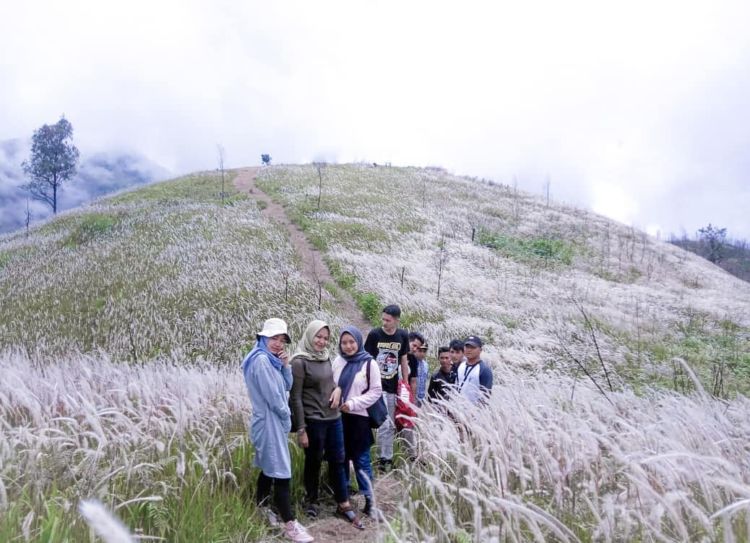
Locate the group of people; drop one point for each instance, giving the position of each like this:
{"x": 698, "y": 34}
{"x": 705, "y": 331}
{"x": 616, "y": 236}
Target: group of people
{"x": 326, "y": 401}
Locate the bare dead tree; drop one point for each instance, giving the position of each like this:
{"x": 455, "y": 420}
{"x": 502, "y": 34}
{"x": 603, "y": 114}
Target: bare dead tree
{"x": 220, "y": 150}
{"x": 442, "y": 259}
{"x": 590, "y": 328}
{"x": 319, "y": 165}
{"x": 28, "y": 217}
{"x": 582, "y": 367}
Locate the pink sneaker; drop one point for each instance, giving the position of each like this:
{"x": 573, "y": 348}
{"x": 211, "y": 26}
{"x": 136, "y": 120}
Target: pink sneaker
{"x": 294, "y": 531}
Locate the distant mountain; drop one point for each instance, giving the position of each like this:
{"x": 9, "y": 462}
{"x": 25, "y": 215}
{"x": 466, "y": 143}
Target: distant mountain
{"x": 98, "y": 174}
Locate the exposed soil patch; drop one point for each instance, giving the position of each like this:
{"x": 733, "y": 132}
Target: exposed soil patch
{"x": 388, "y": 489}
{"x": 313, "y": 266}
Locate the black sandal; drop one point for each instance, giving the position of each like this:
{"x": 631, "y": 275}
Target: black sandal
{"x": 348, "y": 513}
{"x": 311, "y": 510}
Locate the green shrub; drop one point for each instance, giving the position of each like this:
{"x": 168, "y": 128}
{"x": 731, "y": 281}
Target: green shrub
{"x": 531, "y": 251}
{"x": 370, "y": 305}
{"x": 92, "y": 226}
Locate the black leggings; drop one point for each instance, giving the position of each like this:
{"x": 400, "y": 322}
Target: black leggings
{"x": 280, "y": 495}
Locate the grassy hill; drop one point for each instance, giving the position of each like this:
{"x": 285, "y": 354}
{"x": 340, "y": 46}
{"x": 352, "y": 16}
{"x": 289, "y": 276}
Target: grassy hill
{"x": 621, "y": 363}
{"x": 548, "y": 287}
{"x": 122, "y": 327}
{"x": 161, "y": 271}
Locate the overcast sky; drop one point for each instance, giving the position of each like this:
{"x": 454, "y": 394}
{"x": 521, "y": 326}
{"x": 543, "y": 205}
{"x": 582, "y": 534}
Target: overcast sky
{"x": 639, "y": 110}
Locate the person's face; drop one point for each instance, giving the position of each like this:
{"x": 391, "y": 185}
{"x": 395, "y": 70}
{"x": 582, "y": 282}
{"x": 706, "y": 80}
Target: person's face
{"x": 414, "y": 345}
{"x": 445, "y": 362}
{"x": 456, "y": 356}
{"x": 320, "y": 341}
{"x": 390, "y": 323}
{"x": 420, "y": 352}
{"x": 348, "y": 344}
{"x": 472, "y": 352}
{"x": 276, "y": 343}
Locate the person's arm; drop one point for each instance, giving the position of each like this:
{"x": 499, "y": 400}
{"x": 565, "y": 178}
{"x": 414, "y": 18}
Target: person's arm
{"x": 286, "y": 373}
{"x": 405, "y": 374}
{"x": 262, "y": 371}
{"x": 413, "y": 370}
{"x": 371, "y": 344}
{"x": 432, "y": 389}
{"x": 295, "y": 397}
{"x": 485, "y": 380}
{"x": 363, "y": 401}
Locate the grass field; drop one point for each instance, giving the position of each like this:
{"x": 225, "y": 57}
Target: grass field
{"x": 621, "y": 363}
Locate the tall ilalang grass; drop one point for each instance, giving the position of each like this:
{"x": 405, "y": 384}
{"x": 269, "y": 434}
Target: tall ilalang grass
{"x": 161, "y": 270}
{"x": 161, "y": 289}
{"x": 518, "y": 271}
{"x": 163, "y": 445}
{"x": 551, "y": 459}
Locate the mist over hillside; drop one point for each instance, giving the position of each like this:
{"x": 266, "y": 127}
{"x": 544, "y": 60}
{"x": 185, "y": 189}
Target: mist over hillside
{"x": 98, "y": 174}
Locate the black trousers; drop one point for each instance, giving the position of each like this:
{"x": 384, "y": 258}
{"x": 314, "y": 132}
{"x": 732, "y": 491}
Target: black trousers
{"x": 281, "y": 495}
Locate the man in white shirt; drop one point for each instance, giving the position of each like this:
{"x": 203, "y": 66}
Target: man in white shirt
{"x": 474, "y": 374}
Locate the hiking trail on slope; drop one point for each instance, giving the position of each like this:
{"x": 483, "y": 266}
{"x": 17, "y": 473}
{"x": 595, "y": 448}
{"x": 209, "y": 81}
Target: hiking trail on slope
{"x": 388, "y": 489}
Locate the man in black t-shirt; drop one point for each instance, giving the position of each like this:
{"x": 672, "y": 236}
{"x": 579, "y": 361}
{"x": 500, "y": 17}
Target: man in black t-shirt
{"x": 388, "y": 345}
{"x": 443, "y": 379}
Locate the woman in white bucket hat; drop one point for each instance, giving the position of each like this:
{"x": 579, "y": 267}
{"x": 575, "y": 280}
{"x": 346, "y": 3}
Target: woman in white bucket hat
{"x": 269, "y": 378}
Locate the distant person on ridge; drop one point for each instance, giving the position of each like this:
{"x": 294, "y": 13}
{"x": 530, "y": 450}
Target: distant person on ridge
{"x": 388, "y": 345}
{"x": 474, "y": 375}
{"x": 268, "y": 378}
{"x": 444, "y": 378}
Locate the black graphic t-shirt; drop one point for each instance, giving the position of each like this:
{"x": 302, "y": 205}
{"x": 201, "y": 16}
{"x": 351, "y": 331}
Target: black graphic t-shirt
{"x": 387, "y": 351}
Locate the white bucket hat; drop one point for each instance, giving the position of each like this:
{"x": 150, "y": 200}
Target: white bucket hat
{"x": 274, "y": 327}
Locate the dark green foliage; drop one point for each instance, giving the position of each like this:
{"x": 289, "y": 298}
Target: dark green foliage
{"x": 713, "y": 239}
{"x": 91, "y": 227}
{"x": 542, "y": 250}
{"x": 712, "y": 244}
{"x": 370, "y": 305}
{"x": 53, "y": 161}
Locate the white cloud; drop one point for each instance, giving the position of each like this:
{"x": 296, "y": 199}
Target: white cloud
{"x": 637, "y": 100}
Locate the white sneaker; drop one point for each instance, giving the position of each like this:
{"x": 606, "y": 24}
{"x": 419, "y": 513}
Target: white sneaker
{"x": 296, "y": 532}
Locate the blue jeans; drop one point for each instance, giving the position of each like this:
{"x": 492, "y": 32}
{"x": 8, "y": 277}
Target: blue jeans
{"x": 326, "y": 440}
{"x": 363, "y": 471}
{"x": 357, "y": 441}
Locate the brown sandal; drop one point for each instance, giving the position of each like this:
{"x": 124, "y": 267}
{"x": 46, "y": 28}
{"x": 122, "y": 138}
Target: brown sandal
{"x": 349, "y": 514}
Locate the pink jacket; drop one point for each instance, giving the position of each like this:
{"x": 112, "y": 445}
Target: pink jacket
{"x": 359, "y": 401}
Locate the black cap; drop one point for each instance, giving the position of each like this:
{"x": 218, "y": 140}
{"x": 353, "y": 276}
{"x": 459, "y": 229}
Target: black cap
{"x": 393, "y": 310}
{"x": 457, "y": 345}
{"x": 473, "y": 340}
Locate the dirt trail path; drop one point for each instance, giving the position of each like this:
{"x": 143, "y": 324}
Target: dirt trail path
{"x": 314, "y": 267}
{"x": 388, "y": 489}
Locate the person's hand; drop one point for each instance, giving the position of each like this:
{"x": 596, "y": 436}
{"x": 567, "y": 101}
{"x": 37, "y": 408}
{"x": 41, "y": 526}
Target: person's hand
{"x": 345, "y": 408}
{"x": 335, "y": 398}
{"x": 284, "y": 357}
{"x": 302, "y": 439}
